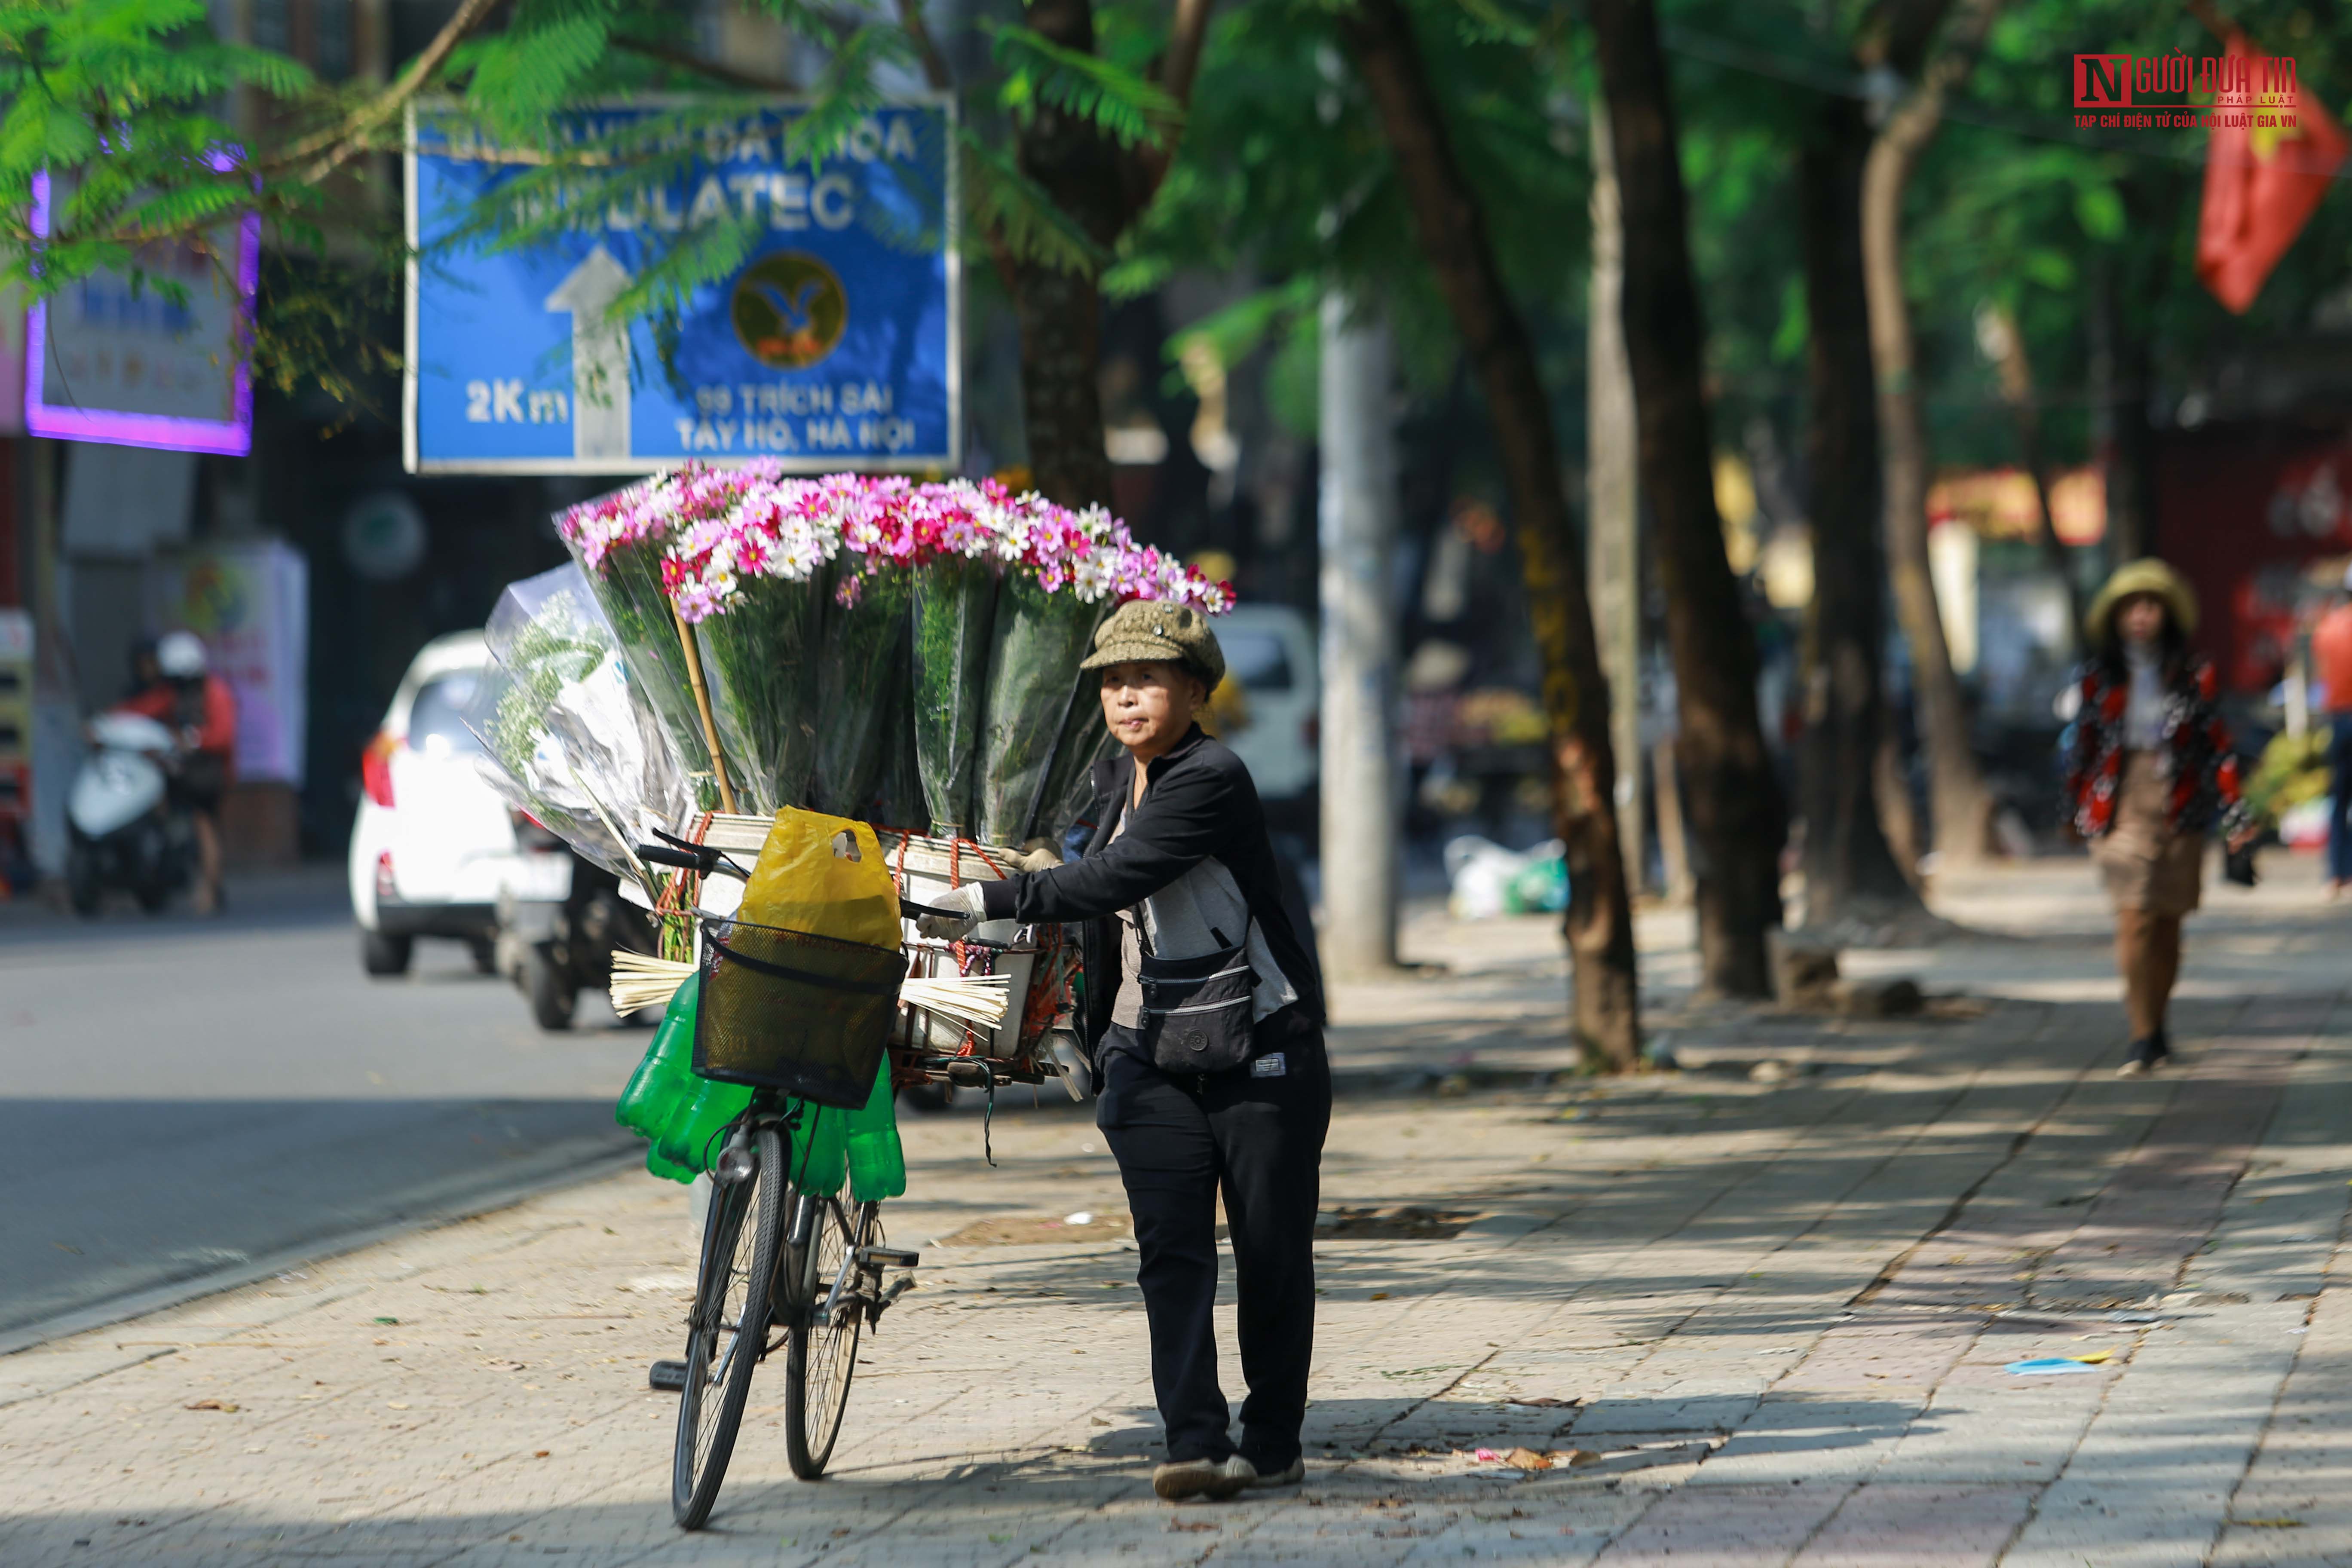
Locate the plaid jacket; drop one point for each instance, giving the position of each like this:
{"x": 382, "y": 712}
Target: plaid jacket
{"x": 2200, "y": 764}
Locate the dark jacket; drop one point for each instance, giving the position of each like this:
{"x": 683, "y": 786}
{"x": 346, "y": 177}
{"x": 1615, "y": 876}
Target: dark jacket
{"x": 2201, "y": 763}
{"x": 1199, "y": 803}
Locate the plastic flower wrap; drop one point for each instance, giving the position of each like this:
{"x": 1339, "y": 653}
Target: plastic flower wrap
{"x": 860, "y": 667}
{"x": 619, "y": 540}
{"x": 571, "y": 738}
{"x": 1034, "y": 685}
{"x": 874, "y": 647}
{"x": 750, "y": 580}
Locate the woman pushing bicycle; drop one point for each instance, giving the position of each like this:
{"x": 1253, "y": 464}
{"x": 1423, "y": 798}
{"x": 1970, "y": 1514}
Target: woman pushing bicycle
{"x": 1203, "y": 1023}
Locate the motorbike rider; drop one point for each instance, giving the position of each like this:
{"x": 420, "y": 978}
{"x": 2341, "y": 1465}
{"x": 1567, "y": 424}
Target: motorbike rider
{"x": 200, "y": 709}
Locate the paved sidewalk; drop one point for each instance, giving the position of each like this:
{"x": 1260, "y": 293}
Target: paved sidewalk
{"x": 1769, "y": 1298}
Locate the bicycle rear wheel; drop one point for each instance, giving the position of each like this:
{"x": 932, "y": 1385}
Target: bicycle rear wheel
{"x": 831, "y": 1300}
{"x": 728, "y": 1332}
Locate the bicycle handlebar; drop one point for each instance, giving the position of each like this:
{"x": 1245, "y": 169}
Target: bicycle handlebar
{"x": 687, "y": 856}
{"x": 661, "y": 855}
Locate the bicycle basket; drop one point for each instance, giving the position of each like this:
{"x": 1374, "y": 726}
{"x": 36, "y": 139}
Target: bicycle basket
{"x": 788, "y": 1010}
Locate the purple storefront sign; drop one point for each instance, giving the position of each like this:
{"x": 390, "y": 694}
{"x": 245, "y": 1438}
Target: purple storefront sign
{"x": 136, "y": 371}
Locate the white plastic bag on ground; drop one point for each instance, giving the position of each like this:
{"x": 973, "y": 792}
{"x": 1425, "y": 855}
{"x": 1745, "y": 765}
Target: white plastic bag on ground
{"x": 1488, "y": 880}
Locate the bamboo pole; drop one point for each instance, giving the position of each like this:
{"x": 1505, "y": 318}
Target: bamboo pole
{"x": 702, "y": 703}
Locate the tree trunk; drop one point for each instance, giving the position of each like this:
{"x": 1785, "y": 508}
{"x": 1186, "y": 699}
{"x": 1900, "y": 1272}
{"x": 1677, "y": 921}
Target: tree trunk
{"x": 1961, "y": 805}
{"x": 1731, "y": 796}
{"x": 1852, "y": 875}
{"x": 1999, "y": 338}
{"x": 1358, "y": 527}
{"x": 1102, "y": 187}
{"x": 1612, "y": 506}
{"x": 1453, "y": 237}
{"x": 2124, "y": 455}
{"x": 1061, "y": 312}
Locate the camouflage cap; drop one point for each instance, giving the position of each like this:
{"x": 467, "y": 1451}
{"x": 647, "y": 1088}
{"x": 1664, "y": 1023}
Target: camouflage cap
{"x": 1144, "y": 631}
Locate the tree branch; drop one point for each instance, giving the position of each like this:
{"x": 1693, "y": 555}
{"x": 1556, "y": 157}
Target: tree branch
{"x": 1185, "y": 41}
{"x": 1179, "y": 68}
{"x": 935, "y": 64}
{"x": 335, "y": 146}
{"x": 750, "y": 81}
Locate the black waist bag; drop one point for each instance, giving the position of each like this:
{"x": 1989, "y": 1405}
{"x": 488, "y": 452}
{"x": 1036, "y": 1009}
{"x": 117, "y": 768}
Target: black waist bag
{"x": 1197, "y": 1015}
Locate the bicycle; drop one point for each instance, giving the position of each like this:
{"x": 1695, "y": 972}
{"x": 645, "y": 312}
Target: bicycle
{"x": 773, "y": 1257}
{"x": 818, "y": 1277}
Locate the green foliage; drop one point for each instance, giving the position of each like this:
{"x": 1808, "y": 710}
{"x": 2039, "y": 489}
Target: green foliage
{"x": 1285, "y": 175}
{"x": 1006, "y": 208}
{"x": 121, "y": 100}
{"x": 114, "y": 99}
{"x": 1126, "y": 107}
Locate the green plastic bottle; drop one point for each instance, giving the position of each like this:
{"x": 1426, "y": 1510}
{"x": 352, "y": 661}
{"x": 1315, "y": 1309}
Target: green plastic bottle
{"x": 820, "y": 1152}
{"x": 656, "y": 1165}
{"x": 691, "y": 1138}
{"x": 666, "y": 1103}
{"x": 665, "y": 1079}
{"x": 877, "y": 1166}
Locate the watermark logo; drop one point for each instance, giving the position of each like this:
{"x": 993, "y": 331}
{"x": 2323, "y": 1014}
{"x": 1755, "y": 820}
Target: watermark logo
{"x": 2184, "y": 91}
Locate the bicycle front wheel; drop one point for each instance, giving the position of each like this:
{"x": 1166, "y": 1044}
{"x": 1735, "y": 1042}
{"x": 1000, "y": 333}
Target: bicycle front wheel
{"x": 728, "y": 1332}
{"x": 833, "y": 1292}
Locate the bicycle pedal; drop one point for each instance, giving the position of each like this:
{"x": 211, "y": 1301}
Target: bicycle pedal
{"x": 669, "y": 1376}
{"x": 887, "y": 1258}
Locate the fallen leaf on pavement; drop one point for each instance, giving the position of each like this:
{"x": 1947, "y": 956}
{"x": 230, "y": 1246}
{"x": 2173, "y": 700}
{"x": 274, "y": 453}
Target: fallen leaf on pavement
{"x": 1544, "y": 1402}
{"x": 1380, "y": 1295}
{"x": 221, "y": 1404}
{"x": 1575, "y": 1459}
{"x": 1528, "y": 1460}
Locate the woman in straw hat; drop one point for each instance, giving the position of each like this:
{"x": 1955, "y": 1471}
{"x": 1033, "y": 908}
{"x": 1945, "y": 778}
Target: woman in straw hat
{"x": 2149, "y": 770}
{"x": 1204, "y": 1017}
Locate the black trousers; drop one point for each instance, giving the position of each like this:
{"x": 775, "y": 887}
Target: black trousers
{"x": 1180, "y": 1139}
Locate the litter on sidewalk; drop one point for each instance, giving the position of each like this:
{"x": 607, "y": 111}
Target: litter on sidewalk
{"x": 2058, "y": 1365}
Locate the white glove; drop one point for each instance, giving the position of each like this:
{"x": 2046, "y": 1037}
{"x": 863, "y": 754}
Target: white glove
{"x": 1037, "y": 855}
{"x": 965, "y": 901}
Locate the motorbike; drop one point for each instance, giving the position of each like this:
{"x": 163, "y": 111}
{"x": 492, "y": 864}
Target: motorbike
{"x": 122, "y": 833}
{"x": 559, "y": 925}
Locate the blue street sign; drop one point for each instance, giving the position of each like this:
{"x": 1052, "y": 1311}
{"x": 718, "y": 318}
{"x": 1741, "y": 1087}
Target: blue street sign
{"x": 835, "y": 345}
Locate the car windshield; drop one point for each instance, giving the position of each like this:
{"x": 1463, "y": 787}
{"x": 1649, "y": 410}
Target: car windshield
{"x": 436, "y": 724}
{"x": 1259, "y": 660}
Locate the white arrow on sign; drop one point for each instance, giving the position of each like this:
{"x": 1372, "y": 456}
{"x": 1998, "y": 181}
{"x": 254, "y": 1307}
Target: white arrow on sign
{"x": 600, "y": 356}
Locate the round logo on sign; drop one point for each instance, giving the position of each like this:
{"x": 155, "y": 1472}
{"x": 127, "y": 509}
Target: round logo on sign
{"x": 788, "y": 310}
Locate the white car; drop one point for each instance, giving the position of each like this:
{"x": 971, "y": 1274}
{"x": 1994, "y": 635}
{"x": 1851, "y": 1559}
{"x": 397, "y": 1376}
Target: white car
{"x": 433, "y": 845}
{"x": 1270, "y": 650}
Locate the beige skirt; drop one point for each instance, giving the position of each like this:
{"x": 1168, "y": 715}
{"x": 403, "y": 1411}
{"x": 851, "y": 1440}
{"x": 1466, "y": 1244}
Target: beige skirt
{"x": 2145, "y": 864}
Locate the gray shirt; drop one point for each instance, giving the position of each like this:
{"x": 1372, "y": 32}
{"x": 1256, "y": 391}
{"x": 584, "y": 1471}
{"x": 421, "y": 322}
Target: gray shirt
{"x": 1199, "y": 912}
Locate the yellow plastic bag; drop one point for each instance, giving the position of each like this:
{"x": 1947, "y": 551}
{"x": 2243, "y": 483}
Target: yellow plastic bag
{"x": 823, "y": 875}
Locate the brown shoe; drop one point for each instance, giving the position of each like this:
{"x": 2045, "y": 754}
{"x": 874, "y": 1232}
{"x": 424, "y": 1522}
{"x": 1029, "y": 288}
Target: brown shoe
{"x": 1218, "y": 1478}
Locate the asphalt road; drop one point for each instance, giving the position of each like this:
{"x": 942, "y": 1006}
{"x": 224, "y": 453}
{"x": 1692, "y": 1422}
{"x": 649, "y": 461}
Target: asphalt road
{"x": 186, "y": 1103}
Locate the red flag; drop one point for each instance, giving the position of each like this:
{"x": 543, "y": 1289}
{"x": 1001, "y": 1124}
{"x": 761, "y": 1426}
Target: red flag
{"x": 2261, "y": 181}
